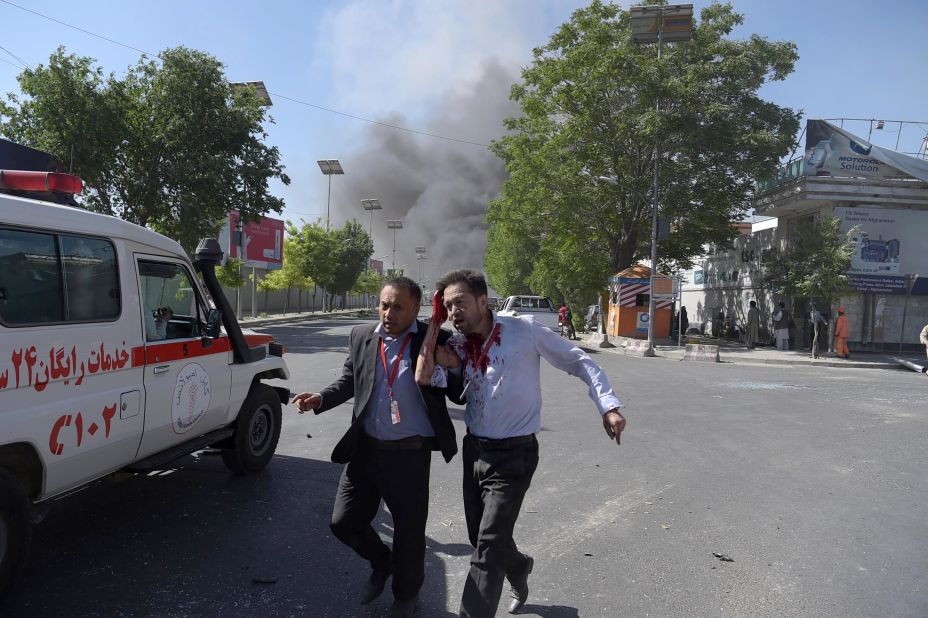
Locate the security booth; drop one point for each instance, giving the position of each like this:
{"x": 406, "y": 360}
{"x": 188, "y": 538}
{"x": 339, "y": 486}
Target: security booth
{"x": 629, "y": 295}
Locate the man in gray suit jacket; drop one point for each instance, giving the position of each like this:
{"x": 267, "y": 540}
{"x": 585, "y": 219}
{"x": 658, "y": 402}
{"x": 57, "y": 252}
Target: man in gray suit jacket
{"x": 395, "y": 426}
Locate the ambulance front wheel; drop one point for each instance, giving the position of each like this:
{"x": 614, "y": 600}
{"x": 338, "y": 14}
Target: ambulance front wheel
{"x": 257, "y": 430}
{"x": 15, "y": 527}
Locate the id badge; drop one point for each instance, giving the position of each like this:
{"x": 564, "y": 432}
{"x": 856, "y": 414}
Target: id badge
{"x": 394, "y": 411}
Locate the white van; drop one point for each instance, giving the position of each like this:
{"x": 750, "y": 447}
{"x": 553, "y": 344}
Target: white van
{"x": 112, "y": 356}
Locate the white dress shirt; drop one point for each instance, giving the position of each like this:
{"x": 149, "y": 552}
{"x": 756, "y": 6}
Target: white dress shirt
{"x": 506, "y": 400}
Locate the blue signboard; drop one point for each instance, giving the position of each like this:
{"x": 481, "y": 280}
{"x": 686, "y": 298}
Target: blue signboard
{"x": 878, "y": 284}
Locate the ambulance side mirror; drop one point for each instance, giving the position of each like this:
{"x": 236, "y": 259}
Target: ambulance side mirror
{"x": 213, "y": 321}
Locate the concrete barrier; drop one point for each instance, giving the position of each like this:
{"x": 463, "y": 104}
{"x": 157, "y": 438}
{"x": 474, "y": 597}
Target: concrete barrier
{"x": 701, "y": 352}
{"x": 600, "y": 340}
{"x": 638, "y": 347}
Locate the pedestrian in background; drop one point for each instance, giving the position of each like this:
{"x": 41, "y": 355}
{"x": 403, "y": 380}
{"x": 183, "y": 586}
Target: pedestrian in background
{"x": 753, "y": 326}
{"x": 501, "y": 358}
{"x": 781, "y": 320}
{"x": 819, "y": 331}
{"x": 841, "y": 333}
{"x": 923, "y": 337}
{"x": 388, "y": 448}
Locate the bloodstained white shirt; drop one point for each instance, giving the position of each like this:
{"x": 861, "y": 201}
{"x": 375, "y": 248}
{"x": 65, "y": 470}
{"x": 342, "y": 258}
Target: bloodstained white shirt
{"x": 506, "y": 400}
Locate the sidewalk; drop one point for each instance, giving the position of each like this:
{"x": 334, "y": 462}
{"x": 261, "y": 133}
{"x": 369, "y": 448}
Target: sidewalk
{"x": 736, "y": 352}
{"x": 283, "y": 318}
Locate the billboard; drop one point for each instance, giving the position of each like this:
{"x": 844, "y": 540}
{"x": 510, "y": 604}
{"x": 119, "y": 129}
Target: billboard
{"x": 888, "y": 245}
{"x": 376, "y": 265}
{"x": 832, "y": 151}
{"x": 263, "y": 242}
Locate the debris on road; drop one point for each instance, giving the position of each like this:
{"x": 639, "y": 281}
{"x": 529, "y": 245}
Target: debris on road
{"x": 723, "y": 557}
{"x": 264, "y": 580}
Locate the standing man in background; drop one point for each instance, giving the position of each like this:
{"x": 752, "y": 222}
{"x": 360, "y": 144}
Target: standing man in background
{"x": 781, "y": 319}
{"x": 841, "y": 334}
{"x": 395, "y": 426}
{"x": 923, "y": 338}
{"x": 500, "y": 450}
{"x": 753, "y": 326}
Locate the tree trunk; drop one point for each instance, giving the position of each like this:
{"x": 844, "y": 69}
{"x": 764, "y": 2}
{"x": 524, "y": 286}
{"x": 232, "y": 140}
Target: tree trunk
{"x": 287, "y": 301}
{"x": 299, "y": 300}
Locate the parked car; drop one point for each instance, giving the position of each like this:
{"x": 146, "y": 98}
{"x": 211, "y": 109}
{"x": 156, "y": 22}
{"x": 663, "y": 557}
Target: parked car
{"x": 540, "y": 307}
{"x": 591, "y": 318}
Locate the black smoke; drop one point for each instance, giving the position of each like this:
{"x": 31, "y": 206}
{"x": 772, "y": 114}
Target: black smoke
{"x": 438, "y": 188}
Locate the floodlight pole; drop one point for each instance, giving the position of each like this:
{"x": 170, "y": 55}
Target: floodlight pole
{"x": 657, "y": 164}
{"x": 682, "y": 14}
{"x": 328, "y": 203}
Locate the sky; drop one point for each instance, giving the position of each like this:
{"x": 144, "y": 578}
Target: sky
{"x": 445, "y": 67}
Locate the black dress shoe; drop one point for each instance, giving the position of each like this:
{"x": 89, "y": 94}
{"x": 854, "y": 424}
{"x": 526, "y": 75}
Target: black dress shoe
{"x": 405, "y": 608}
{"x": 520, "y": 588}
{"x": 373, "y": 588}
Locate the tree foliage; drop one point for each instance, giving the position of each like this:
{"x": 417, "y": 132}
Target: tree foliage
{"x": 230, "y": 274}
{"x": 581, "y": 155}
{"x": 333, "y": 259}
{"x": 815, "y": 264}
{"x": 171, "y": 145}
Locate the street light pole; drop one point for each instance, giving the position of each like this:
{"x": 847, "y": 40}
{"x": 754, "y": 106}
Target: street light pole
{"x": 648, "y": 26}
{"x": 394, "y": 224}
{"x": 329, "y": 167}
{"x": 370, "y": 205}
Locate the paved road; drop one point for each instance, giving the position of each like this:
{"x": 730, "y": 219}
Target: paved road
{"x": 812, "y": 481}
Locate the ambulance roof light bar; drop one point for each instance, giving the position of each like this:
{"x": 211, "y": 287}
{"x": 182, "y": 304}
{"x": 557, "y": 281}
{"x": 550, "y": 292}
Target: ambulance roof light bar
{"x": 19, "y": 180}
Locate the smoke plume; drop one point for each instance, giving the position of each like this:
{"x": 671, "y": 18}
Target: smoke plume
{"x": 438, "y": 188}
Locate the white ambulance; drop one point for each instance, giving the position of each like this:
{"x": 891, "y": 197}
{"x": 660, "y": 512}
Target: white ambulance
{"x": 116, "y": 352}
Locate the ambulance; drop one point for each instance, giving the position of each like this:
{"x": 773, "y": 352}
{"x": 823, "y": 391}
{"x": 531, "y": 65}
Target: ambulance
{"x": 117, "y": 352}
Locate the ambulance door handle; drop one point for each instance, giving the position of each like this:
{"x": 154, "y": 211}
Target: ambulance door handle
{"x": 162, "y": 368}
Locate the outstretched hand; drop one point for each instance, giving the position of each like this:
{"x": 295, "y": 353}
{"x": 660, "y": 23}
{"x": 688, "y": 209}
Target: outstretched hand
{"x": 307, "y": 401}
{"x": 614, "y": 424}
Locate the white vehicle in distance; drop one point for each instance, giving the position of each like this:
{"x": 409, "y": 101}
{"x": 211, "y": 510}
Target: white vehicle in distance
{"x": 540, "y": 307}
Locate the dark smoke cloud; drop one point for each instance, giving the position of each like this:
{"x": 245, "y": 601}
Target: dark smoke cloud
{"x": 439, "y": 189}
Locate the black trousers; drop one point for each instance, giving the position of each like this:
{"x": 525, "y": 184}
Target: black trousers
{"x": 495, "y": 483}
{"x": 401, "y": 479}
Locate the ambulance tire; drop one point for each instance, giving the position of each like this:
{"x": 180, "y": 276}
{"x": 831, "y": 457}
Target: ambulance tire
{"x": 15, "y": 527}
{"x": 257, "y": 430}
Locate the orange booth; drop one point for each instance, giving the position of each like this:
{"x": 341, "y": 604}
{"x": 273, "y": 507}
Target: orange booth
{"x": 629, "y": 293}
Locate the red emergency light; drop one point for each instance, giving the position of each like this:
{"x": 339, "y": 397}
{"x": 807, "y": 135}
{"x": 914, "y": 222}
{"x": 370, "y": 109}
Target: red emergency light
{"x": 18, "y": 180}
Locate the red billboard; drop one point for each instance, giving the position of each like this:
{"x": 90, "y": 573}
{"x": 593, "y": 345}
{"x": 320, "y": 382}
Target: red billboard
{"x": 263, "y": 242}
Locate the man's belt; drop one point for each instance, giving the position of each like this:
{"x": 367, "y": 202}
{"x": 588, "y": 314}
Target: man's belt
{"x": 489, "y": 444}
{"x": 412, "y": 443}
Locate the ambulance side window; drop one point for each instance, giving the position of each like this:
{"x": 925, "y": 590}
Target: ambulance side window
{"x": 90, "y": 277}
{"x": 48, "y": 278}
{"x": 30, "y": 280}
{"x": 170, "y": 304}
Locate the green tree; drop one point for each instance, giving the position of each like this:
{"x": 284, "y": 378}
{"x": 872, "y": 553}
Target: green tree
{"x": 171, "y": 145}
{"x": 230, "y": 274}
{"x": 333, "y": 258}
{"x": 581, "y": 155}
{"x": 814, "y": 266}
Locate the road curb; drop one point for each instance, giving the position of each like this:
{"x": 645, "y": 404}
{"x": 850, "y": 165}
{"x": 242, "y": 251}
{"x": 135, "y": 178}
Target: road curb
{"x": 298, "y": 318}
{"x": 678, "y": 355}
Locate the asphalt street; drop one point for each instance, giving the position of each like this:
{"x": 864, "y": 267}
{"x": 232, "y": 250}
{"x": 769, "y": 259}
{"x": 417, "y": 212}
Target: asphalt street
{"x": 810, "y": 480}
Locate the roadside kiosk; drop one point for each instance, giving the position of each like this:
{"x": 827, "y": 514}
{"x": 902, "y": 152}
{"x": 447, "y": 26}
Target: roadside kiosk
{"x": 629, "y": 293}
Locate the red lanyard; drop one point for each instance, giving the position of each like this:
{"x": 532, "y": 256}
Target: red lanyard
{"x": 392, "y": 373}
{"x": 478, "y": 362}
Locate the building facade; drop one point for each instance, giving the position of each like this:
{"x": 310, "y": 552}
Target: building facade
{"x": 880, "y": 195}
